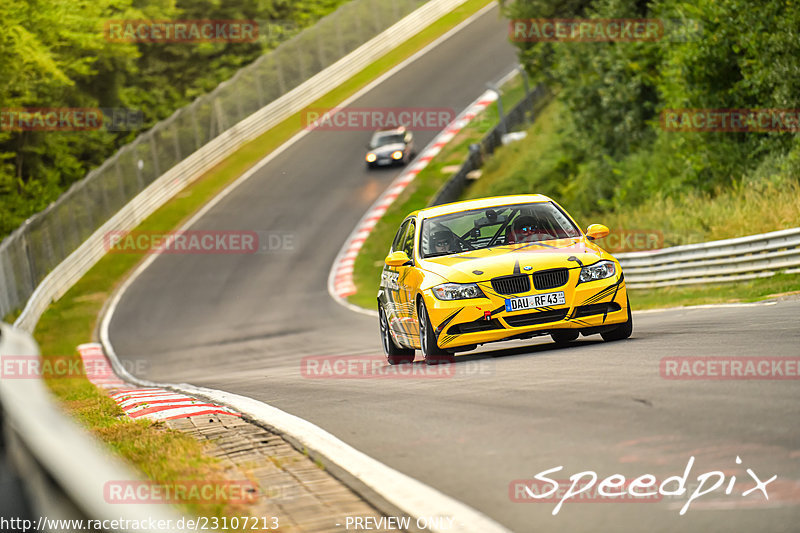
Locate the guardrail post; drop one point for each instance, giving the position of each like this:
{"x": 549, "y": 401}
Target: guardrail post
{"x": 29, "y": 256}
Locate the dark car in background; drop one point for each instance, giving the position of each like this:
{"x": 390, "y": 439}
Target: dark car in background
{"x": 390, "y": 147}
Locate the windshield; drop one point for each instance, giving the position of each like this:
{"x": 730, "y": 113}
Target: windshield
{"x": 382, "y": 139}
{"x": 498, "y": 226}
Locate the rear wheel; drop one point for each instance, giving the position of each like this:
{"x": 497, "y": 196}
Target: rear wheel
{"x": 427, "y": 339}
{"x": 623, "y": 331}
{"x": 394, "y": 354}
{"x": 563, "y": 337}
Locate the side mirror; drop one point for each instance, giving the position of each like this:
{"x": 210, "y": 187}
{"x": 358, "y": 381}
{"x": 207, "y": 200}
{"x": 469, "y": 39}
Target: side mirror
{"x": 596, "y": 231}
{"x": 396, "y": 259}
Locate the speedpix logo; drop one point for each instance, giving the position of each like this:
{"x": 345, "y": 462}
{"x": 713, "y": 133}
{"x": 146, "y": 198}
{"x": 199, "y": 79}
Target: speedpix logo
{"x": 545, "y": 489}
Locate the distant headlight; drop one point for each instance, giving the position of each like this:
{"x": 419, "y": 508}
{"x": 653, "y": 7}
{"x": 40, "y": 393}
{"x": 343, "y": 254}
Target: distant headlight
{"x": 371, "y": 157}
{"x": 457, "y": 291}
{"x": 397, "y": 155}
{"x": 599, "y": 270}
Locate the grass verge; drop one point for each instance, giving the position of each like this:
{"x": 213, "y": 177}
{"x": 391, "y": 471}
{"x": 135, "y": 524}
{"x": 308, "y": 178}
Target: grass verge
{"x": 165, "y": 455}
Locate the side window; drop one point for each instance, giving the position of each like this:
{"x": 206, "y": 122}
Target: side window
{"x": 397, "y": 244}
{"x": 408, "y": 244}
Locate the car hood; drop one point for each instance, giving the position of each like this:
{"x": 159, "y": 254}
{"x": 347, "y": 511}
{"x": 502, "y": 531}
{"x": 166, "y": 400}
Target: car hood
{"x": 485, "y": 264}
{"x": 387, "y": 149}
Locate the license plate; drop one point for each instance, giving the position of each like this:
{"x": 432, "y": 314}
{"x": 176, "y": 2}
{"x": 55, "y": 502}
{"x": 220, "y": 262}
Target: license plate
{"x": 537, "y": 300}
{"x": 383, "y": 161}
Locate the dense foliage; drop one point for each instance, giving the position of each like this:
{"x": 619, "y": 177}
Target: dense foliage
{"x": 611, "y": 150}
{"x": 55, "y": 55}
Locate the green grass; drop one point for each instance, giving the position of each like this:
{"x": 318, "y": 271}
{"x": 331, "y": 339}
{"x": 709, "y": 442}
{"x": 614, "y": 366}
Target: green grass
{"x": 496, "y": 179}
{"x": 162, "y": 454}
{"x": 744, "y": 209}
{"x": 713, "y": 293}
{"x": 368, "y": 264}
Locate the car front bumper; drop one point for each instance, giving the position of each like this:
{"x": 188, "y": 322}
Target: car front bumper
{"x": 589, "y": 307}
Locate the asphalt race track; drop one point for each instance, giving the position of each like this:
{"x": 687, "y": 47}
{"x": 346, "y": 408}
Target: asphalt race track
{"x": 244, "y": 323}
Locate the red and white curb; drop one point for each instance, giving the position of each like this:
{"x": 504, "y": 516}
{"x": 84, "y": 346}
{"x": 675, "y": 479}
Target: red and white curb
{"x": 150, "y": 403}
{"x": 340, "y": 282}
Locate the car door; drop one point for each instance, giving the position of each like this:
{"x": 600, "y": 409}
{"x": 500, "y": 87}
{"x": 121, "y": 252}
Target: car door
{"x": 408, "y": 280}
{"x": 390, "y": 289}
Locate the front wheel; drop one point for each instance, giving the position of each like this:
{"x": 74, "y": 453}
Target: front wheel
{"x": 623, "y": 331}
{"x": 394, "y": 354}
{"x": 427, "y": 340}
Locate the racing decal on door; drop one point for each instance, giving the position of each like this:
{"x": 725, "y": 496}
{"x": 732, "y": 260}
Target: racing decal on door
{"x": 390, "y": 280}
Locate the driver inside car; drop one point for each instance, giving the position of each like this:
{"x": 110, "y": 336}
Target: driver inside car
{"x": 526, "y": 229}
{"x": 444, "y": 242}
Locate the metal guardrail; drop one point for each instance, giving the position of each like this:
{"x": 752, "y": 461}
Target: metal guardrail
{"x": 712, "y": 262}
{"x": 64, "y": 469}
{"x": 42, "y": 259}
{"x": 519, "y": 114}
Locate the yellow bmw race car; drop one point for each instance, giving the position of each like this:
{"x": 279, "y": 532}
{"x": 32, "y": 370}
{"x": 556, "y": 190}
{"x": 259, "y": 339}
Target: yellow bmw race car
{"x": 511, "y": 267}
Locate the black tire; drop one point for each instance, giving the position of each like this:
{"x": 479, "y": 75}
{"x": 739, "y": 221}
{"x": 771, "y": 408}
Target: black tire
{"x": 394, "y": 354}
{"x": 427, "y": 340}
{"x": 623, "y": 331}
{"x": 564, "y": 337}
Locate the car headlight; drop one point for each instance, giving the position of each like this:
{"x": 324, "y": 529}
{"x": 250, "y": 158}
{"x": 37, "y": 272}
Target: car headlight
{"x": 371, "y": 157}
{"x": 397, "y": 154}
{"x": 457, "y": 291}
{"x": 599, "y": 270}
